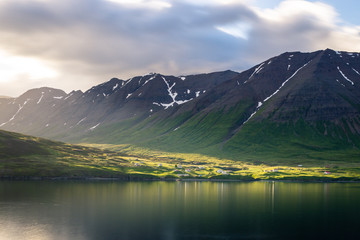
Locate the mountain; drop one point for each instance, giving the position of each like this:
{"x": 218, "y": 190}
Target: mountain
{"x": 292, "y": 106}
{"x": 53, "y": 113}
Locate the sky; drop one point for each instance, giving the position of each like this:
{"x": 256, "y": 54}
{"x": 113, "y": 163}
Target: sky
{"x": 74, "y": 45}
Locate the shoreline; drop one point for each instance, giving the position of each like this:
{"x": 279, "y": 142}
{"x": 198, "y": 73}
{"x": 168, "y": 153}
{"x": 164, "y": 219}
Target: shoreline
{"x": 139, "y": 179}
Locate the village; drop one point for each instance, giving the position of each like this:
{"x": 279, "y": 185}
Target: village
{"x": 223, "y": 171}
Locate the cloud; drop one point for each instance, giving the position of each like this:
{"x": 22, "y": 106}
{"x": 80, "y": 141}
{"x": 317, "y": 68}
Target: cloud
{"x": 89, "y": 41}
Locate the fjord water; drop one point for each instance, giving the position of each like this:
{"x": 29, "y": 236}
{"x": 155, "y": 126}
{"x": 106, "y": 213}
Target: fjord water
{"x": 179, "y": 210}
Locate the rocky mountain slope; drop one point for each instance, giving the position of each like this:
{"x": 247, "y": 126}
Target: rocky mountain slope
{"x": 304, "y": 103}
{"x": 52, "y": 113}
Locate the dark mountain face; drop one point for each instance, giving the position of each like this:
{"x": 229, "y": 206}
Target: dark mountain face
{"x": 326, "y": 89}
{"x": 323, "y": 85}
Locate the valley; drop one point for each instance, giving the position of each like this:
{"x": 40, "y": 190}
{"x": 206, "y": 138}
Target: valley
{"x": 29, "y": 158}
{"x": 294, "y": 116}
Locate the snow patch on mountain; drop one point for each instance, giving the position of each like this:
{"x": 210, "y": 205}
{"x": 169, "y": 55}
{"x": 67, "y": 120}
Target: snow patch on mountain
{"x": 346, "y": 78}
{"x": 256, "y": 71}
{"x": 81, "y": 121}
{"x": 127, "y": 82}
{"x": 92, "y": 128}
{"x": 356, "y": 71}
{"x": 340, "y": 83}
{"x": 274, "y": 93}
{"x": 17, "y": 112}
{"x": 149, "y": 79}
{"x": 173, "y": 96}
{"x": 179, "y": 102}
{"x": 68, "y": 96}
{"x": 41, "y": 97}
{"x": 282, "y": 85}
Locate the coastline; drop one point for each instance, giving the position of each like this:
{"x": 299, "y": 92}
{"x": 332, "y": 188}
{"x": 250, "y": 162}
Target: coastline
{"x": 140, "y": 179}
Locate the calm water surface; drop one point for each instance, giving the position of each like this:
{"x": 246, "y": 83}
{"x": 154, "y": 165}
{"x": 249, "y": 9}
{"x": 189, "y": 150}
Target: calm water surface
{"x": 179, "y": 210}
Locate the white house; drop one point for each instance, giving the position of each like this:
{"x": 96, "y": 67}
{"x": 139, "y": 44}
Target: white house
{"x": 222, "y": 172}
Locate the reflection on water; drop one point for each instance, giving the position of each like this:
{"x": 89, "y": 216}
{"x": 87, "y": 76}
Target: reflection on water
{"x": 178, "y": 210}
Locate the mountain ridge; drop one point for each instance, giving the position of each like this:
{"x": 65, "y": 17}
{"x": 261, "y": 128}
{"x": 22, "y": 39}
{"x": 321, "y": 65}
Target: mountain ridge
{"x": 206, "y": 113}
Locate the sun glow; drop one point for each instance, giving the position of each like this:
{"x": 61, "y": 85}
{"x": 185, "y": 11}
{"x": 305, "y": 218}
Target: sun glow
{"x": 13, "y": 67}
{"x": 155, "y": 4}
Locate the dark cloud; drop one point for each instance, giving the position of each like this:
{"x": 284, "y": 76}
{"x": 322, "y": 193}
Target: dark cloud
{"x": 93, "y": 40}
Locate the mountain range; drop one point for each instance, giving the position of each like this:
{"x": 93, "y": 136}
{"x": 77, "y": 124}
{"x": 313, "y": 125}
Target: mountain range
{"x": 294, "y": 106}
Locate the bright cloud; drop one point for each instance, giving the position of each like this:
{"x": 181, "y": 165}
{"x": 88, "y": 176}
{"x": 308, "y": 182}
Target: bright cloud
{"x": 90, "y": 41}
{"x": 304, "y": 25}
{"x": 13, "y": 67}
{"x": 239, "y": 30}
{"x": 295, "y": 9}
{"x": 143, "y": 3}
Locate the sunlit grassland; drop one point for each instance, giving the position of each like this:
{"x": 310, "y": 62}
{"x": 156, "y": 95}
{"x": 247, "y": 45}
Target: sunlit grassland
{"x": 29, "y": 157}
{"x": 257, "y": 150}
{"x": 198, "y": 166}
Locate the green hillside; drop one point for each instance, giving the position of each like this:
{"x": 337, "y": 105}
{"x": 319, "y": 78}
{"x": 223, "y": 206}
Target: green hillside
{"x": 220, "y": 134}
{"x": 300, "y": 151}
{"x": 24, "y": 156}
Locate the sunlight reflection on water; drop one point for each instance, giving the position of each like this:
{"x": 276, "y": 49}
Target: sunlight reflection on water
{"x": 178, "y": 210}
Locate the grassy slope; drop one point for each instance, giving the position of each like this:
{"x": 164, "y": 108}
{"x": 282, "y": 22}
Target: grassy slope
{"x": 25, "y": 156}
{"x": 262, "y": 144}
{"x": 202, "y": 145}
{"x": 293, "y": 143}
{"x": 211, "y": 134}
{"x": 199, "y": 132}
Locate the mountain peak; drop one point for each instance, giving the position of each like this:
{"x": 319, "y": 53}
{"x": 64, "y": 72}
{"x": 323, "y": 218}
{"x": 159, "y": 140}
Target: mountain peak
{"x": 321, "y": 87}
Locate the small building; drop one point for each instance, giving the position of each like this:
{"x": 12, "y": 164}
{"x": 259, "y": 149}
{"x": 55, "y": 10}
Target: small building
{"x": 137, "y": 164}
{"x": 222, "y": 172}
{"x": 327, "y": 172}
{"x": 183, "y": 175}
{"x": 188, "y": 170}
{"x": 160, "y": 165}
{"x": 179, "y": 166}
